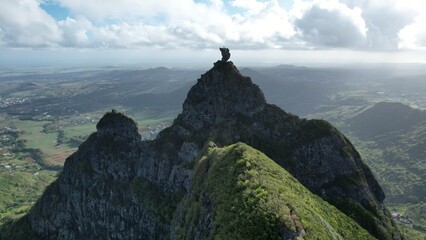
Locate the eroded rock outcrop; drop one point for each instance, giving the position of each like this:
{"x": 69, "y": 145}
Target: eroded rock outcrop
{"x": 119, "y": 187}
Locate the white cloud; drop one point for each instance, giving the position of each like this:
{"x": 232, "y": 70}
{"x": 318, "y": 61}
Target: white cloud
{"x": 24, "y": 23}
{"x": 252, "y": 6}
{"x": 100, "y": 10}
{"x": 413, "y": 36}
{"x": 330, "y": 24}
{"x": 269, "y": 27}
{"x": 187, "y": 24}
{"x": 124, "y": 35}
{"x": 190, "y": 24}
{"x": 384, "y": 19}
{"x": 76, "y": 32}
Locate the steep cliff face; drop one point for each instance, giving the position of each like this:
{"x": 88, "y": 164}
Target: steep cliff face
{"x": 226, "y": 107}
{"x": 119, "y": 187}
{"x": 96, "y": 195}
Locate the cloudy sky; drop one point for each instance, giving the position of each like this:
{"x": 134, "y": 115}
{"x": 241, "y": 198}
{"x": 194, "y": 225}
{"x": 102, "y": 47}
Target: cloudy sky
{"x": 187, "y": 32}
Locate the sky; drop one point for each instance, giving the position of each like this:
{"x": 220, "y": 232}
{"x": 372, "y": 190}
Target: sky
{"x": 189, "y": 32}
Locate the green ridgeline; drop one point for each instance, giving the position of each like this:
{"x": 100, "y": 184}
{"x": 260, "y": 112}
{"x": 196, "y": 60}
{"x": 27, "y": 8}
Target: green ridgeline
{"x": 248, "y": 196}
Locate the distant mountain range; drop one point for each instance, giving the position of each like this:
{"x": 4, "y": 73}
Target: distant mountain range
{"x": 399, "y": 132}
{"x": 386, "y": 118}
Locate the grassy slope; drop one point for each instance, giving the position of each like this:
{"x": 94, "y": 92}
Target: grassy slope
{"x": 20, "y": 190}
{"x": 254, "y": 198}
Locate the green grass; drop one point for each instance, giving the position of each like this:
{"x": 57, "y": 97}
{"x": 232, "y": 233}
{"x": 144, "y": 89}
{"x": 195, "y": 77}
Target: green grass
{"x": 149, "y": 117}
{"x": 35, "y": 138}
{"x": 254, "y": 198}
{"x": 20, "y": 190}
{"x": 74, "y": 135}
{"x": 152, "y": 121}
{"x": 411, "y": 233}
{"x": 79, "y": 131}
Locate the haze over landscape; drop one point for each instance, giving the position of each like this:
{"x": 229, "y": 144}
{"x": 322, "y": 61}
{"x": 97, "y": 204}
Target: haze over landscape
{"x": 112, "y": 111}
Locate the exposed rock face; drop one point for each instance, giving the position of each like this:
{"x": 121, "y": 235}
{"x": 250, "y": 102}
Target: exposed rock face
{"x": 118, "y": 126}
{"x": 119, "y": 187}
{"x": 94, "y": 197}
{"x": 225, "y": 54}
{"x": 221, "y": 95}
{"x": 226, "y": 107}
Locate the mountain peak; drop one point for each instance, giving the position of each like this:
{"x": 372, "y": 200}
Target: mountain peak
{"x": 119, "y": 187}
{"x": 220, "y": 94}
{"x": 117, "y": 125}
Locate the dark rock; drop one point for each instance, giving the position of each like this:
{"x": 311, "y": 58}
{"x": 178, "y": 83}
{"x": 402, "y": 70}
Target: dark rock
{"x": 226, "y": 108}
{"x": 118, "y": 126}
{"x": 225, "y": 54}
{"x": 119, "y": 187}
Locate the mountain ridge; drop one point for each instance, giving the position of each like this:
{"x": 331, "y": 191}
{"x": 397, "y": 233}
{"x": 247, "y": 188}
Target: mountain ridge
{"x": 380, "y": 119}
{"x": 232, "y": 183}
{"x": 101, "y": 180}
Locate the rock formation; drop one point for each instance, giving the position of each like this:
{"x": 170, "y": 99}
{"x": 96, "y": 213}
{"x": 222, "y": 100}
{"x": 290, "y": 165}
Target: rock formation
{"x": 119, "y": 187}
{"x": 225, "y": 54}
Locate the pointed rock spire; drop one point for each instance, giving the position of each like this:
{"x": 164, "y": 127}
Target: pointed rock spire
{"x": 225, "y": 54}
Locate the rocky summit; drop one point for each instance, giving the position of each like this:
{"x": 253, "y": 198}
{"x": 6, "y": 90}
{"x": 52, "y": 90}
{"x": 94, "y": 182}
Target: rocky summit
{"x": 231, "y": 166}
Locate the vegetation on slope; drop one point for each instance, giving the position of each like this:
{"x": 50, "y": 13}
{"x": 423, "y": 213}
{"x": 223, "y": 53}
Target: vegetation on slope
{"x": 396, "y": 150}
{"x": 20, "y": 190}
{"x": 391, "y": 138}
{"x": 251, "y": 197}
